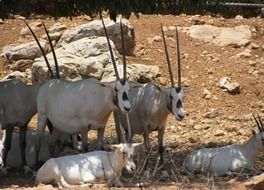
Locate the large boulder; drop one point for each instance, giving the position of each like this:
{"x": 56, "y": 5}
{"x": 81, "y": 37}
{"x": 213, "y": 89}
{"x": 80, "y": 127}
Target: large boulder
{"x": 84, "y": 58}
{"x": 28, "y": 50}
{"x": 95, "y": 28}
{"x": 222, "y": 36}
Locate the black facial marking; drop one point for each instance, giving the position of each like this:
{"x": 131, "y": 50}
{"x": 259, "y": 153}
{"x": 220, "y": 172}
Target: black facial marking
{"x": 123, "y": 82}
{"x": 178, "y": 90}
{"x": 179, "y": 104}
{"x": 124, "y": 96}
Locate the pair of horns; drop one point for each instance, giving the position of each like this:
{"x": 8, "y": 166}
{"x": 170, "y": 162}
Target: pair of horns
{"x": 43, "y": 53}
{"x": 168, "y": 59}
{"x": 111, "y": 51}
{"x": 259, "y": 123}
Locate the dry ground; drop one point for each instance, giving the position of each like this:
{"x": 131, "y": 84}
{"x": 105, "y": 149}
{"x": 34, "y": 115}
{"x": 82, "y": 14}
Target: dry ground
{"x": 233, "y": 122}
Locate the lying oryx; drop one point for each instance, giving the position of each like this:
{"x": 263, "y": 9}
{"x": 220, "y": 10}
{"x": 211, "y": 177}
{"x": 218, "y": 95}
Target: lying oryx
{"x": 227, "y": 160}
{"x": 79, "y": 106}
{"x": 151, "y": 106}
{"x": 18, "y": 105}
{"x": 87, "y": 168}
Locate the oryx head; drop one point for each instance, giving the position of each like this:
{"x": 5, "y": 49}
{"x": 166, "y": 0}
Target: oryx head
{"x": 2, "y": 140}
{"x": 121, "y": 85}
{"x": 127, "y": 149}
{"x": 259, "y": 136}
{"x": 176, "y": 93}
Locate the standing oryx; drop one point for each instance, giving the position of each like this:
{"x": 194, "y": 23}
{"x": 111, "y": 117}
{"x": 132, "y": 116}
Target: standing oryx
{"x": 79, "y": 106}
{"x": 18, "y": 104}
{"x": 151, "y": 106}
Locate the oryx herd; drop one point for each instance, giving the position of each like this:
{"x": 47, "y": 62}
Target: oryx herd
{"x": 71, "y": 109}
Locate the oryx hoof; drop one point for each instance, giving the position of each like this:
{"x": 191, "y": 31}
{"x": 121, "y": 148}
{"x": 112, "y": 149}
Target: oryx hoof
{"x": 27, "y": 169}
{"x": 3, "y": 171}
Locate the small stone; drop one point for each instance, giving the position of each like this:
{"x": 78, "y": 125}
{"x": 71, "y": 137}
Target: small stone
{"x": 192, "y": 140}
{"x": 231, "y": 87}
{"x": 211, "y": 113}
{"x": 172, "y": 28}
{"x": 157, "y": 39}
{"x": 20, "y": 17}
{"x": 219, "y": 132}
{"x": 1, "y": 21}
{"x": 254, "y": 45}
{"x": 244, "y": 54}
{"x": 252, "y": 63}
{"x": 239, "y": 17}
{"x": 207, "y": 94}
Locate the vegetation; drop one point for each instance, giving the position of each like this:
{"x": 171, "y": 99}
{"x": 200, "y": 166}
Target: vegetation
{"x": 125, "y": 7}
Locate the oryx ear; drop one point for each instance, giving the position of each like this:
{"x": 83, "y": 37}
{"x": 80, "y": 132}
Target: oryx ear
{"x": 253, "y": 132}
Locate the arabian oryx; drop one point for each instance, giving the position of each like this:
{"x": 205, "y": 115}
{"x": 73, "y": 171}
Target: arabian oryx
{"x": 18, "y": 103}
{"x": 227, "y": 160}
{"x": 88, "y": 168}
{"x": 79, "y": 106}
{"x": 151, "y": 106}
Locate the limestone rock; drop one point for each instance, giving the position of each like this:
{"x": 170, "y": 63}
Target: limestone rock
{"x": 230, "y": 87}
{"x": 22, "y": 65}
{"x": 95, "y": 28}
{"x": 222, "y": 36}
{"x": 24, "y": 51}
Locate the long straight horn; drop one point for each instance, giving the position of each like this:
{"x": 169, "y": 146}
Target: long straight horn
{"x": 123, "y": 50}
{"x": 110, "y": 49}
{"x": 167, "y": 56}
{"x": 261, "y": 124}
{"x": 53, "y": 53}
{"x": 259, "y": 127}
{"x": 42, "y": 51}
{"x": 179, "y": 59}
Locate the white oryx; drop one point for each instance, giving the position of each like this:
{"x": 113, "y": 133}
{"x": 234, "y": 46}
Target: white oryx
{"x": 151, "y": 106}
{"x": 79, "y": 106}
{"x": 88, "y": 168}
{"x": 227, "y": 160}
{"x": 18, "y": 103}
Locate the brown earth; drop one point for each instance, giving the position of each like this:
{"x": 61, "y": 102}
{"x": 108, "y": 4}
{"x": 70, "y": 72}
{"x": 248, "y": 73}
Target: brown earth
{"x": 232, "y": 124}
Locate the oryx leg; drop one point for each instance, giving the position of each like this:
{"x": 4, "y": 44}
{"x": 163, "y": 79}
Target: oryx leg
{"x": 160, "y": 142}
{"x": 100, "y": 138}
{"x": 41, "y": 124}
{"x": 118, "y": 125}
{"x": 22, "y": 143}
{"x": 84, "y": 135}
{"x": 54, "y": 138}
{"x": 147, "y": 147}
{"x": 8, "y": 142}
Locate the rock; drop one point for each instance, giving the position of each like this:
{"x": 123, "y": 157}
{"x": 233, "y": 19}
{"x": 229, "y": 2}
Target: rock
{"x": 24, "y": 51}
{"x": 239, "y": 17}
{"x": 157, "y": 39}
{"x": 197, "y": 20}
{"x": 211, "y": 113}
{"x": 19, "y": 17}
{"x": 173, "y": 28}
{"x": 254, "y": 45}
{"x": 95, "y": 28}
{"x": 256, "y": 182}
{"x": 244, "y": 54}
{"x": 135, "y": 72}
{"x": 207, "y": 94}
{"x": 219, "y": 132}
{"x": 22, "y": 65}
{"x": 53, "y": 36}
{"x": 231, "y": 87}
{"x": 34, "y": 26}
{"x": 262, "y": 47}
{"x": 17, "y": 74}
{"x": 83, "y": 58}
{"x": 252, "y": 63}
{"x": 57, "y": 27}
{"x": 1, "y": 21}
{"x": 222, "y": 36}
